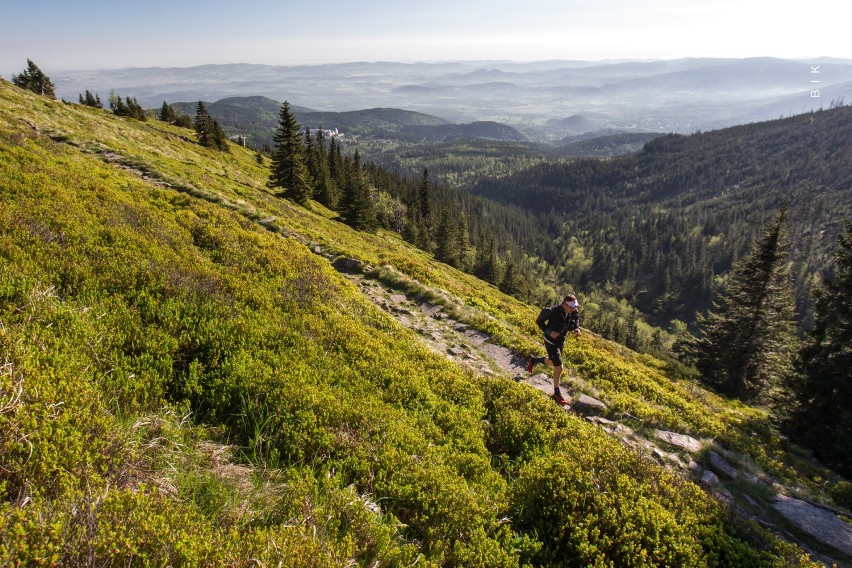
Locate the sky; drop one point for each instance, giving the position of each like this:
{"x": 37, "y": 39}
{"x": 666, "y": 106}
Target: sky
{"x": 65, "y": 35}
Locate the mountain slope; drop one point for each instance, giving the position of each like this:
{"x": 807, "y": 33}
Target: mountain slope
{"x": 145, "y": 278}
{"x": 663, "y": 223}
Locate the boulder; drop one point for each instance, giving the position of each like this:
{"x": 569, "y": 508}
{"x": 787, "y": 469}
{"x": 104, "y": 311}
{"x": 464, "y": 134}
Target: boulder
{"x": 721, "y": 466}
{"x": 588, "y": 406}
{"x": 345, "y": 264}
{"x": 682, "y": 441}
{"x": 709, "y": 479}
{"x": 819, "y": 523}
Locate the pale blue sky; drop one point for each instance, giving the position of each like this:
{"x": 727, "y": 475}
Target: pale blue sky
{"x": 94, "y": 34}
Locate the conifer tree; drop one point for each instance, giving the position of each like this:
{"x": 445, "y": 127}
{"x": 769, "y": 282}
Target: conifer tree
{"x": 823, "y": 385}
{"x": 335, "y": 164}
{"x": 33, "y": 79}
{"x": 462, "y": 242}
{"x": 135, "y": 110}
{"x": 91, "y": 100}
{"x": 423, "y": 202}
{"x": 289, "y": 163}
{"x": 203, "y": 125}
{"x": 425, "y": 199}
{"x": 220, "y": 141}
{"x": 745, "y": 346}
{"x": 167, "y": 113}
{"x": 446, "y": 239}
{"x": 358, "y": 209}
{"x": 325, "y": 189}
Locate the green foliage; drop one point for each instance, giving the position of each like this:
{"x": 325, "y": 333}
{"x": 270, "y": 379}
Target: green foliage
{"x": 315, "y": 430}
{"x": 289, "y": 170}
{"x": 91, "y": 100}
{"x": 33, "y": 79}
{"x": 823, "y": 384}
{"x": 661, "y": 226}
{"x": 208, "y": 131}
{"x": 841, "y": 493}
{"x": 128, "y": 107}
{"x": 746, "y": 346}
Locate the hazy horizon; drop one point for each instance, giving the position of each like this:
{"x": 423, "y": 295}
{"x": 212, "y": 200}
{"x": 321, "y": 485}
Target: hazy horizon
{"x": 100, "y": 35}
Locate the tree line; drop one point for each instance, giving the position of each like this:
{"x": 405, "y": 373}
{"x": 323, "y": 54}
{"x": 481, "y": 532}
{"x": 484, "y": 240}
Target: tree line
{"x": 747, "y": 348}
{"x": 464, "y": 231}
{"x": 745, "y": 344}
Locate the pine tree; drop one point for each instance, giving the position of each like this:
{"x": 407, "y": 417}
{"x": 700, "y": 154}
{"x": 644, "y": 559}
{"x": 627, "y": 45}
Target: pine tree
{"x": 745, "y": 346}
{"x": 425, "y": 199}
{"x": 289, "y": 163}
{"x": 135, "y": 110}
{"x": 358, "y": 209}
{"x": 446, "y": 239}
{"x": 33, "y": 79}
{"x": 203, "y": 125}
{"x": 167, "y": 113}
{"x": 463, "y": 242}
{"x": 325, "y": 189}
{"x": 823, "y": 420}
{"x": 423, "y": 202}
{"x": 220, "y": 141}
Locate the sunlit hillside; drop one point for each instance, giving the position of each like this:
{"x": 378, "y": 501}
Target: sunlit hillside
{"x": 185, "y": 379}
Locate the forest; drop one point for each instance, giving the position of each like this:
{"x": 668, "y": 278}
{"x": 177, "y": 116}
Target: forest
{"x": 663, "y": 226}
{"x": 187, "y": 380}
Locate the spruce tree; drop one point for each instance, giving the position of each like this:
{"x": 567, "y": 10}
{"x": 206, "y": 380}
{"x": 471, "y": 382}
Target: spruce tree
{"x": 463, "y": 243}
{"x": 425, "y": 206}
{"x": 446, "y": 239}
{"x": 359, "y": 211}
{"x": 289, "y": 163}
{"x": 220, "y": 141}
{"x": 325, "y": 189}
{"x": 33, "y": 79}
{"x": 203, "y": 125}
{"x": 746, "y": 343}
{"x": 167, "y": 113}
{"x": 823, "y": 385}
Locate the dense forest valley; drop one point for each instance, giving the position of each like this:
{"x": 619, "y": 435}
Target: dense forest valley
{"x": 649, "y": 236}
{"x": 218, "y": 353}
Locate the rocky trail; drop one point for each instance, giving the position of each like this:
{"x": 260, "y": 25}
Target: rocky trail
{"x": 824, "y": 532}
{"x": 732, "y": 478}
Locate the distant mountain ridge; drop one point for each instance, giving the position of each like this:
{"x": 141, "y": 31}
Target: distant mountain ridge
{"x": 659, "y": 225}
{"x": 682, "y": 95}
{"x": 257, "y": 117}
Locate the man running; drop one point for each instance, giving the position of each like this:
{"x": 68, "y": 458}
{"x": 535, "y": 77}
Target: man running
{"x": 556, "y": 323}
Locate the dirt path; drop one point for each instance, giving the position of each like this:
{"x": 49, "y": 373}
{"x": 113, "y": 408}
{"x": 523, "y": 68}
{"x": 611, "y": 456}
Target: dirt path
{"x": 472, "y": 349}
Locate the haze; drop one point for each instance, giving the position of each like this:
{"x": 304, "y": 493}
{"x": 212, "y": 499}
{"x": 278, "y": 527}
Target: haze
{"x": 103, "y": 35}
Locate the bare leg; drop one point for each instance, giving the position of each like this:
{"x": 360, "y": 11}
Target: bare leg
{"x": 557, "y": 372}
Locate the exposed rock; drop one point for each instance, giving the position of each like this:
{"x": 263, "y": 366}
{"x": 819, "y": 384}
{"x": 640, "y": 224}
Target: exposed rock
{"x": 721, "y": 466}
{"x": 725, "y": 496}
{"x": 588, "y": 406}
{"x": 694, "y": 467}
{"x": 476, "y": 337}
{"x": 457, "y": 351}
{"x": 748, "y": 499}
{"x": 820, "y": 524}
{"x": 344, "y": 264}
{"x": 431, "y": 309}
{"x": 601, "y": 420}
{"x": 398, "y": 298}
{"x": 683, "y": 441}
{"x": 709, "y": 479}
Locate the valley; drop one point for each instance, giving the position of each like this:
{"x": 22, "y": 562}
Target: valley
{"x": 198, "y": 370}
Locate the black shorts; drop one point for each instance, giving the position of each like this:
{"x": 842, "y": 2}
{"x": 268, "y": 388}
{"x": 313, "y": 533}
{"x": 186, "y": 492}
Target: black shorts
{"x": 554, "y": 353}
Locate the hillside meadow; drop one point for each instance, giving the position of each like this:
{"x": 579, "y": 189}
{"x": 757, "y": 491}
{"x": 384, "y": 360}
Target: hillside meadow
{"x": 183, "y": 381}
